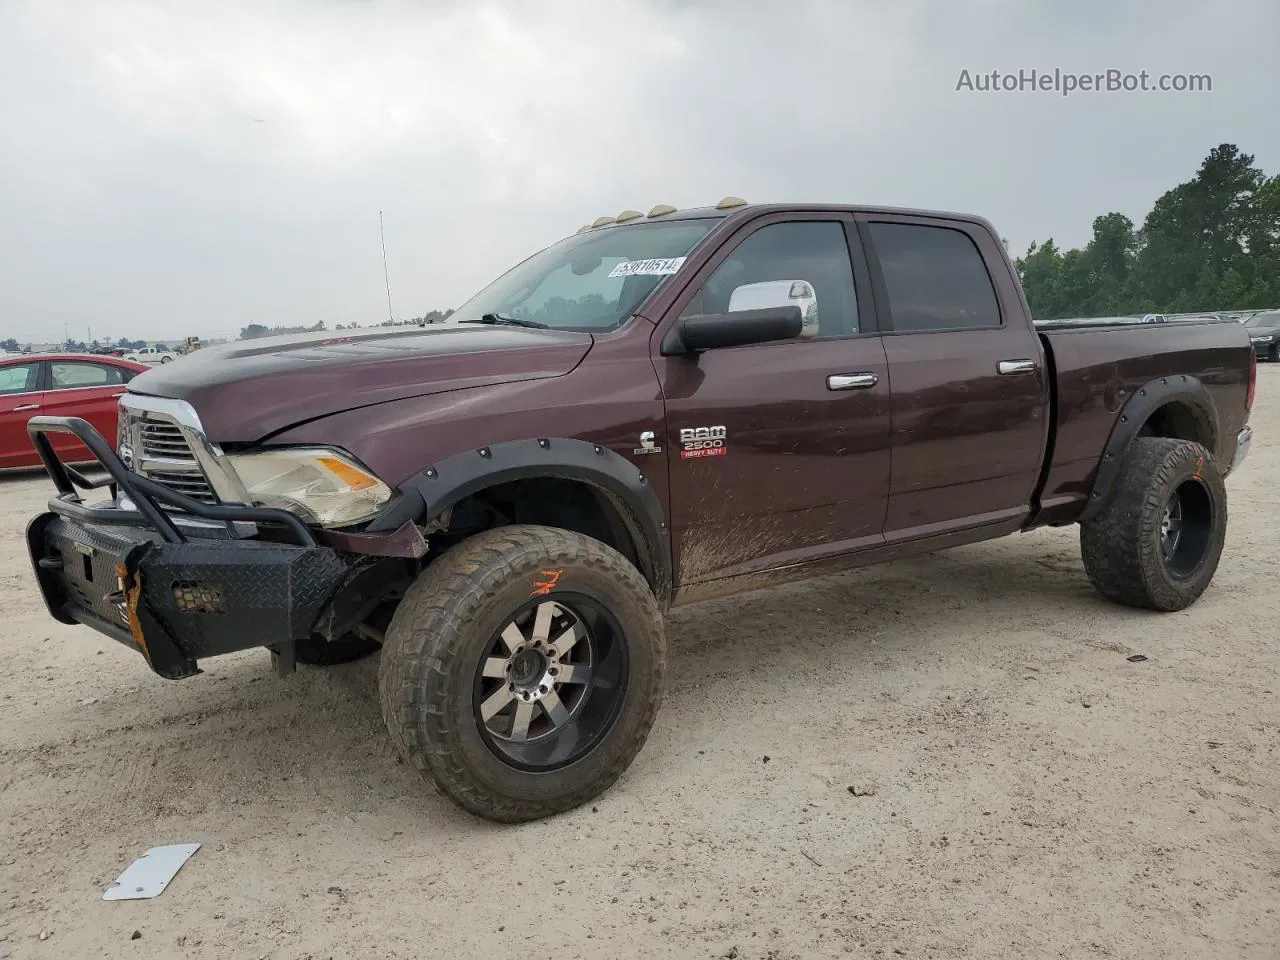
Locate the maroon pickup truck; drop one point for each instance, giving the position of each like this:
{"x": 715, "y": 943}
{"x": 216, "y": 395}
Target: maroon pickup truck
{"x": 657, "y": 409}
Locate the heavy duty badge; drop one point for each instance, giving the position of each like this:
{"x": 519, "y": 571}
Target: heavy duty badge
{"x": 698, "y": 442}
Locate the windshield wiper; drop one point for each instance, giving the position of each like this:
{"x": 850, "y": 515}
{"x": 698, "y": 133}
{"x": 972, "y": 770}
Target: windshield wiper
{"x": 501, "y": 319}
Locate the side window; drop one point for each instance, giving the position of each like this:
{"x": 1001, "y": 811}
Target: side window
{"x": 69, "y": 375}
{"x": 805, "y": 263}
{"x": 935, "y": 277}
{"x": 17, "y": 378}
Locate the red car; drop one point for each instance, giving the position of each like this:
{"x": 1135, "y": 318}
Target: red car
{"x": 62, "y": 385}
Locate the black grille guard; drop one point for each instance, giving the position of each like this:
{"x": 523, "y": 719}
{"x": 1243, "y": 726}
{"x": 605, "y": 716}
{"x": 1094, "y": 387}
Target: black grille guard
{"x": 146, "y": 494}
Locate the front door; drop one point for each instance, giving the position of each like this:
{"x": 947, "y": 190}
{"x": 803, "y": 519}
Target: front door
{"x": 779, "y": 452}
{"x": 20, "y": 400}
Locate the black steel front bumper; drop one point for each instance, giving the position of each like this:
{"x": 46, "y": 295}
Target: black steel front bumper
{"x": 177, "y": 587}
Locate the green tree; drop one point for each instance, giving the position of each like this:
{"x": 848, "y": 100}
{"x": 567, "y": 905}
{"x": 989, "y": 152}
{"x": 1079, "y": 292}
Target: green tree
{"x": 1212, "y": 243}
{"x": 1200, "y": 229}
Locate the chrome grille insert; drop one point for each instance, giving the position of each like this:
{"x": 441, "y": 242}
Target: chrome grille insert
{"x": 160, "y": 439}
{"x": 166, "y": 444}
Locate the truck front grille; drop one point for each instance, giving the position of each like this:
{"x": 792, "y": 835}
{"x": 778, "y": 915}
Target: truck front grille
{"x": 191, "y": 485}
{"x": 162, "y": 441}
{"x": 163, "y": 454}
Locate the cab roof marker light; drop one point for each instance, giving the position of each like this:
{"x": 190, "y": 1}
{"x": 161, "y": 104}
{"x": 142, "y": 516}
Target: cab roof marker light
{"x": 583, "y": 229}
{"x": 626, "y": 215}
{"x": 661, "y": 210}
{"x": 602, "y": 222}
{"x": 729, "y": 202}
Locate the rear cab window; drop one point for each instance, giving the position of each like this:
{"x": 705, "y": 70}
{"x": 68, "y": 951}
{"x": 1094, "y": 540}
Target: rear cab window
{"x": 935, "y": 278}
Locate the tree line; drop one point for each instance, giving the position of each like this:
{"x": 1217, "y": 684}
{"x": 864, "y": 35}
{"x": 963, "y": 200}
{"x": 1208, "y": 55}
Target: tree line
{"x": 11, "y": 345}
{"x": 254, "y": 330}
{"x": 1209, "y": 244}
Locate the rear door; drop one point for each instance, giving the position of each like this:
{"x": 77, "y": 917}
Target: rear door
{"x": 20, "y": 400}
{"x": 83, "y": 388}
{"x": 969, "y": 388}
{"x": 778, "y": 451}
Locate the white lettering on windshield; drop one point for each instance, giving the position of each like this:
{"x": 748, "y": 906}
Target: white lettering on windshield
{"x": 647, "y": 268}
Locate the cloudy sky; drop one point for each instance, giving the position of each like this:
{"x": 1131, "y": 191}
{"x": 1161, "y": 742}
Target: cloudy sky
{"x": 175, "y": 168}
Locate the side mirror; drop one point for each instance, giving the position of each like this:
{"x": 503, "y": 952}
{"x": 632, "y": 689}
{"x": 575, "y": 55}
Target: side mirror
{"x": 779, "y": 293}
{"x": 737, "y": 329}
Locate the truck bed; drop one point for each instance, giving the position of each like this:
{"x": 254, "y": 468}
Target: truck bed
{"x": 1097, "y": 367}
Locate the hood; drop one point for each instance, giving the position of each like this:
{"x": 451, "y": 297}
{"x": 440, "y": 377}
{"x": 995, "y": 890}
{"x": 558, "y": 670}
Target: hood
{"x": 246, "y": 390}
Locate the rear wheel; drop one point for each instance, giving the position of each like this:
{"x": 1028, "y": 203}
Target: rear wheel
{"x": 1158, "y": 541}
{"x": 523, "y": 670}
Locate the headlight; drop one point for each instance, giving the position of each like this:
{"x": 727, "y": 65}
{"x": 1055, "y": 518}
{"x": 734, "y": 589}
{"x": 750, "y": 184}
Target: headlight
{"x": 1263, "y": 339}
{"x": 318, "y": 484}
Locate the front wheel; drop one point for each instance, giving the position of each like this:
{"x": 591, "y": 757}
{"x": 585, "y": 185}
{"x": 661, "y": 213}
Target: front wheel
{"x": 523, "y": 670}
{"x": 1158, "y": 541}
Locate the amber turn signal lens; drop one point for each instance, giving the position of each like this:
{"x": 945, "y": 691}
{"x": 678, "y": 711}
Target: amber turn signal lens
{"x": 353, "y": 478}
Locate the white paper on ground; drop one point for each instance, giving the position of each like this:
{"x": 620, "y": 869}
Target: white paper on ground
{"x": 148, "y": 876}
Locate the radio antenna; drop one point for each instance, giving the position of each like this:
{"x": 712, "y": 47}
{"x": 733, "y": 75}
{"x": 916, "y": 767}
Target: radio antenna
{"x": 386, "y": 275}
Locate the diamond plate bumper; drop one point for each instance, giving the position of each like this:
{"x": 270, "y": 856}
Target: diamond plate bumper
{"x": 177, "y": 603}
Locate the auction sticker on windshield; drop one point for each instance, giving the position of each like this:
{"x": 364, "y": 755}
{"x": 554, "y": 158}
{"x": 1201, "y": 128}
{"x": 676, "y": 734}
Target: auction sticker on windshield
{"x": 660, "y": 267}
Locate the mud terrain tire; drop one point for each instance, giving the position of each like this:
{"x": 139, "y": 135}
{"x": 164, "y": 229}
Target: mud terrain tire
{"x": 482, "y": 615}
{"x": 1157, "y": 543}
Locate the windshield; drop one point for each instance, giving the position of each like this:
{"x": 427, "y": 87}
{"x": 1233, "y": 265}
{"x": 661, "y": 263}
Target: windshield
{"x": 1271, "y": 319}
{"x": 591, "y": 281}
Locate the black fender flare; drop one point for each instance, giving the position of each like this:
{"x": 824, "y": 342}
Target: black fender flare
{"x": 430, "y": 492}
{"x": 1146, "y": 400}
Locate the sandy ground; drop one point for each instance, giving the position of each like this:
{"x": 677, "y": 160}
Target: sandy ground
{"x": 1023, "y": 790}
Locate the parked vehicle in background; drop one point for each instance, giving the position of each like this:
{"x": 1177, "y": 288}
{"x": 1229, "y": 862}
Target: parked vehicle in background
{"x": 1264, "y": 334}
{"x": 59, "y": 385}
{"x": 1106, "y": 321}
{"x": 656, "y": 410}
{"x": 152, "y": 356}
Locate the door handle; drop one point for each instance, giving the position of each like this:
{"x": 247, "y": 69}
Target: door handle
{"x": 1008, "y": 368}
{"x": 27, "y": 406}
{"x": 851, "y": 381}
